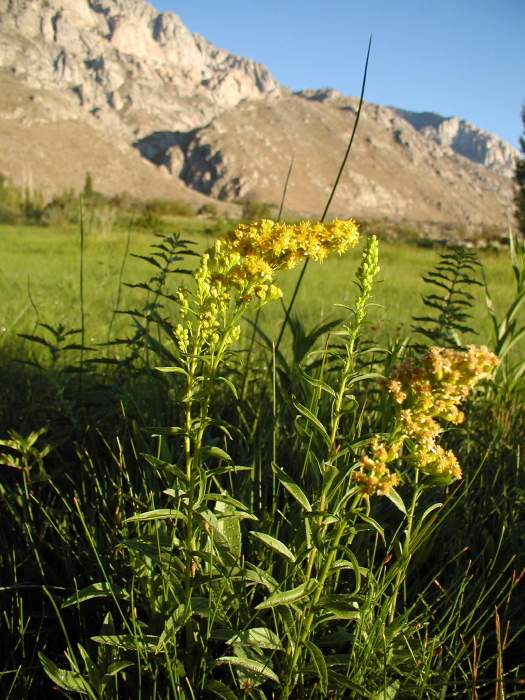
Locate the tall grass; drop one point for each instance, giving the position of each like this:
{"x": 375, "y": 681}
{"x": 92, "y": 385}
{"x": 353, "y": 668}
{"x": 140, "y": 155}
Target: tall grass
{"x": 141, "y": 560}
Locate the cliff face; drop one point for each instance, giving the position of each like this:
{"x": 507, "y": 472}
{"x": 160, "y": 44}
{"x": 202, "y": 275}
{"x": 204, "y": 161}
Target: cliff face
{"x": 393, "y": 170}
{"x": 467, "y": 140}
{"x": 131, "y": 67}
{"x": 128, "y": 93}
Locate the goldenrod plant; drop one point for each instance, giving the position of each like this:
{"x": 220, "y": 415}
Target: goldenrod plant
{"x": 306, "y": 592}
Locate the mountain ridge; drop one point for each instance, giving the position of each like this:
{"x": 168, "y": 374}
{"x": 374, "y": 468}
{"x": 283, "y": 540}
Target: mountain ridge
{"x": 172, "y": 104}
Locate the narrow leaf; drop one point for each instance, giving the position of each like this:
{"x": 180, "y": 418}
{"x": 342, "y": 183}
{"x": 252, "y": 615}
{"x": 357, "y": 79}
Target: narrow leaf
{"x": 159, "y": 514}
{"x": 276, "y": 545}
{"x": 319, "y": 384}
{"x": 114, "y": 668}
{"x": 318, "y": 659}
{"x": 176, "y": 370}
{"x": 212, "y": 451}
{"x": 68, "y": 680}
{"x": 291, "y": 486}
{"x": 220, "y": 689}
{"x": 343, "y": 682}
{"x": 165, "y": 467}
{"x": 250, "y": 665}
{"x": 340, "y": 605}
{"x": 313, "y": 420}
{"x": 287, "y": 597}
{"x": 96, "y": 590}
{"x": 396, "y": 500}
{"x": 258, "y": 637}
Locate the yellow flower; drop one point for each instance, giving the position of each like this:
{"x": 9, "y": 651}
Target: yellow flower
{"x": 240, "y": 267}
{"x": 432, "y": 389}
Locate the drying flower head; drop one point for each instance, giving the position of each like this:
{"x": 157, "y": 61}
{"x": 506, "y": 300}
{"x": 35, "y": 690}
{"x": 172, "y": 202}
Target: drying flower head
{"x": 430, "y": 389}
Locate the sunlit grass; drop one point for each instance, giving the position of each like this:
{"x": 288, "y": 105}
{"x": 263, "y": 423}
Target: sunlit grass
{"x": 40, "y": 273}
{"x": 82, "y": 462}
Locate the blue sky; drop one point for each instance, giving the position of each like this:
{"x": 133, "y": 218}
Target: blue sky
{"x": 461, "y": 58}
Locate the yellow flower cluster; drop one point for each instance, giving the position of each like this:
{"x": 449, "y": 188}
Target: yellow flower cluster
{"x": 423, "y": 392}
{"x": 244, "y": 262}
{"x": 248, "y": 257}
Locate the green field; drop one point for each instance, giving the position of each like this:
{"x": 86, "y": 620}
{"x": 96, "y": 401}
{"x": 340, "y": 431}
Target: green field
{"x": 296, "y": 525}
{"x": 40, "y": 281}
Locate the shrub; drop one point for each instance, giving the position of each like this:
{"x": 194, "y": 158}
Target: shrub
{"x": 253, "y": 210}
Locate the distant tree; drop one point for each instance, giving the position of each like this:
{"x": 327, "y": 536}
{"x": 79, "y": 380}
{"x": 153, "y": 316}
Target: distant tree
{"x": 88, "y": 186}
{"x": 252, "y": 210}
{"x": 519, "y": 177}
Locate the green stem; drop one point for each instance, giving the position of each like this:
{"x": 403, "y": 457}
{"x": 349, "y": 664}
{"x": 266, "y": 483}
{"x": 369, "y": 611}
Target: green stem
{"x": 405, "y": 555}
{"x": 336, "y": 417}
{"x": 323, "y": 575}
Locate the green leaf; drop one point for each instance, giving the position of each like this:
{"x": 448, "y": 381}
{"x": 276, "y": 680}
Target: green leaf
{"x": 291, "y": 486}
{"x": 226, "y": 469}
{"x": 117, "y": 666}
{"x": 230, "y": 384}
{"x": 313, "y": 420}
{"x": 276, "y": 545}
{"x": 375, "y": 525}
{"x": 431, "y": 481}
{"x": 96, "y": 590}
{"x": 257, "y": 575}
{"x": 156, "y": 432}
{"x": 344, "y": 607}
{"x": 178, "y": 370}
{"x": 93, "y": 672}
{"x": 318, "y": 384}
{"x": 211, "y": 519}
{"x": 388, "y": 693}
{"x": 362, "y": 377}
{"x": 318, "y": 659}
{"x": 329, "y": 475}
{"x": 165, "y": 467}
{"x": 228, "y": 500}
{"x": 259, "y": 637}
{"x": 159, "y": 514}
{"x": 153, "y": 546}
{"x": 287, "y": 597}
{"x": 254, "y": 666}
{"x": 201, "y": 484}
{"x": 128, "y": 641}
{"x": 212, "y": 451}
{"x": 343, "y": 682}
{"x": 68, "y": 680}
{"x": 396, "y": 500}
{"x": 230, "y": 527}
{"x": 339, "y": 478}
{"x": 179, "y": 618}
{"x": 345, "y": 564}
{"x": 336, "y": 638}
{"x": 289, "y": 622}
{"x": 220, "y": 689}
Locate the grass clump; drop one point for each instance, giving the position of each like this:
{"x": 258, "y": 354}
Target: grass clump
{"x": 190, "y": 512}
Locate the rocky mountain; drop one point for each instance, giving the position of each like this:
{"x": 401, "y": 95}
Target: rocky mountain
{"x": 464, "y": 138}
{"x": 118, "y": 89}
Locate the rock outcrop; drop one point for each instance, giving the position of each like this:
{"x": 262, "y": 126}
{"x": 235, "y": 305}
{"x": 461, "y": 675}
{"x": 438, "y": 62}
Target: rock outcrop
{"x": 465, "y": 139}
{"x": 393, "y": 170}
{"x": 118, "y": 89}
{"x": 134, "y": 69}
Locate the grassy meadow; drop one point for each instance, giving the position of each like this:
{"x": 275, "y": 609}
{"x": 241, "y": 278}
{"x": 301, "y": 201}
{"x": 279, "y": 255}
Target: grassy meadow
{"x": 40, "y": 280}
{"x": 254, "y": 522}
